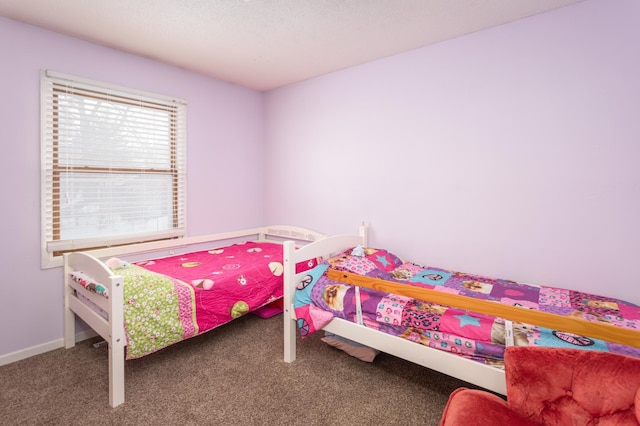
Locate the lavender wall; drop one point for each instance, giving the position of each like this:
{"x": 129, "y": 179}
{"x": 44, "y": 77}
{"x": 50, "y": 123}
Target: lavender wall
{"x": 225, "y": 139}
{"x": 510, "y": 152}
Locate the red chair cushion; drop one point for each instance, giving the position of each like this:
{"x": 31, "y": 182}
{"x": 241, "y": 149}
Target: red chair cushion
{"x": 556, "y": 386}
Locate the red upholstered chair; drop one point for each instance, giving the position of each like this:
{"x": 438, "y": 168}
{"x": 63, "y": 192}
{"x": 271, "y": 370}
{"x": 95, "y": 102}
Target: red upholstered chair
{"x": 553, "y": 386}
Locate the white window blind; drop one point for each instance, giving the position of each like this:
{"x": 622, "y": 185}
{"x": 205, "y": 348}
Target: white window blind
{"x": 113, "y": 165}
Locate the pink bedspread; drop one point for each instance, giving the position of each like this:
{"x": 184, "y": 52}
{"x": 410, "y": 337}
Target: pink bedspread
{"x": 171, "y": 299}
{"x": 228, "y": 282}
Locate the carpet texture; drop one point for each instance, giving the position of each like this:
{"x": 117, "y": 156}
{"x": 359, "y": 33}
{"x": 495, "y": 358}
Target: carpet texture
{"x": 234, "y": 374}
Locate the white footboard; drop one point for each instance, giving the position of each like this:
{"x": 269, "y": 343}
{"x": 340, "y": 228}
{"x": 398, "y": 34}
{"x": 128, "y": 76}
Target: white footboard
{"x": 323, "y": 248}
{"x": 111, "y": 329}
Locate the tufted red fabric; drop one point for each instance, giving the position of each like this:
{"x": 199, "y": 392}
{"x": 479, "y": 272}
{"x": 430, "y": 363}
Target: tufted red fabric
{"x": 553, "y": 386}
{"x": 480, "y": 408}
{"x": 571, "y": 386}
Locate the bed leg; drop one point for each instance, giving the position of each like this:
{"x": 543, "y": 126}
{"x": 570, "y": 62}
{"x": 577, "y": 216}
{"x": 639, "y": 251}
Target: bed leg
{"x": 289, "y": 289}
{"x": 289, "y": 337}
{"x": 69, "y": 316}
{"x": 69, "y": 328}
{"x": 117, "y": 343}
{"x": 116, "y": 374}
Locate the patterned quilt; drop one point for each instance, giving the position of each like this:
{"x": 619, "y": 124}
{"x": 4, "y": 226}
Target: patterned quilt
{"x": 171, "y": 299}
{"x": 481, "y": 337}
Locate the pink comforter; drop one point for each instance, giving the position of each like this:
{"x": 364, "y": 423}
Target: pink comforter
{"x": 171, "y": 299}
{"x": 228, "y": 281}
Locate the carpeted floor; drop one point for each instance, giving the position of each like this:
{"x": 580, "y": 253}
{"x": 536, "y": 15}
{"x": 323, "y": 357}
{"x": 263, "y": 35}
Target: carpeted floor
{"x": 231, "y": 375}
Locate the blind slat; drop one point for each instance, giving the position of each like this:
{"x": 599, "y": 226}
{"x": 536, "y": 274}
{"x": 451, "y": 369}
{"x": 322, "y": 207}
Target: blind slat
{"x": 114, "y": 164}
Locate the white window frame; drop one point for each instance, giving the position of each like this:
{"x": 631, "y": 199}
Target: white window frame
{"x": 52, "y": 246}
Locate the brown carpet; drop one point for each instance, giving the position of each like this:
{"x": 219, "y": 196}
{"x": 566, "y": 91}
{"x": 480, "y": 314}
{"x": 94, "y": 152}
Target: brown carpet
{"x": 234, "y": 374}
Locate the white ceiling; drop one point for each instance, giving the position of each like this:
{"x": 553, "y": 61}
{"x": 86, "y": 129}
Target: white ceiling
{"x": 265, "y": 44}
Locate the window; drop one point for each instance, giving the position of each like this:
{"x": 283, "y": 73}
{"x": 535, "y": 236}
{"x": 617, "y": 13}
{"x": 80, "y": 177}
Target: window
{"x": 113, "y": 166}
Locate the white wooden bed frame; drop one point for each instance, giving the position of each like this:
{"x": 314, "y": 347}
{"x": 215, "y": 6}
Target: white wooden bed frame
{"x": 112, "y": 330}
{"x": 473, "y": 372}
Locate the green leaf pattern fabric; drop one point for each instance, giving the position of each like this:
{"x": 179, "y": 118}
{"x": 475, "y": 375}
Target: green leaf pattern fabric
{"x": 158, "y": 311}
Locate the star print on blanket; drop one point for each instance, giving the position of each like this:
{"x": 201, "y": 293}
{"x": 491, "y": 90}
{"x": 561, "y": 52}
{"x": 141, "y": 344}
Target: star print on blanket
{"x": 481, "y": 337}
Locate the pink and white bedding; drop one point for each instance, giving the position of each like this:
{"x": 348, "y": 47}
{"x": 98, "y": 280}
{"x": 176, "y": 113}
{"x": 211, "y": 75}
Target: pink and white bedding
{"x": 171, "y": 299}
{"x": 319, "y": 299}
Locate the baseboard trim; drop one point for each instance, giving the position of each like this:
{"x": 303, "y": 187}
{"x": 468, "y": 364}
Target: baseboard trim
{"x": 42, "y": 348}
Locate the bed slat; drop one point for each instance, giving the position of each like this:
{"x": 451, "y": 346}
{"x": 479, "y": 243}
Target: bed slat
{"x": 93, "y": 319}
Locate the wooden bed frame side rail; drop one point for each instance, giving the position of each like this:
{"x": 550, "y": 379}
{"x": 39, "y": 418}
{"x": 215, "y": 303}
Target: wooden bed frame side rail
{"x": 471, "y": 371}
{"x": 599, "y": 330}
{"x": 264, "y": 233}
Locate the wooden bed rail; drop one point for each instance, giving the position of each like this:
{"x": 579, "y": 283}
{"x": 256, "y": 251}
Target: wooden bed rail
{"x": 598, "y": 330}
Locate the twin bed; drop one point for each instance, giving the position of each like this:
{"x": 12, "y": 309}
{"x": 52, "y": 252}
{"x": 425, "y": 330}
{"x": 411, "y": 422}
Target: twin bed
{"x": 368, "y": 300}
{"x": 456, "y": 323}
{"x": 140, "y": 307}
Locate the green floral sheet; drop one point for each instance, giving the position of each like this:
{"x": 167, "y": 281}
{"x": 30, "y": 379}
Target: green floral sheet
{"x": 158, "y": 311}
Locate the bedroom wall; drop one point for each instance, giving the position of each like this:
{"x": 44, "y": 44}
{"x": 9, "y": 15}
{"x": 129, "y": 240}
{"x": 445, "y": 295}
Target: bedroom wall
{"x": 510, "y": 152}
{"x": 224, "y": 163}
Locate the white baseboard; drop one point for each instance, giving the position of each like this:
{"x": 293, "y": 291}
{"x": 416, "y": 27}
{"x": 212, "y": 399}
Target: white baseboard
{"x": 42, "y": 348}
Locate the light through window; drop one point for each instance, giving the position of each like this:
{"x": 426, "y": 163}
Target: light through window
{"x": 113, "y": 165}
